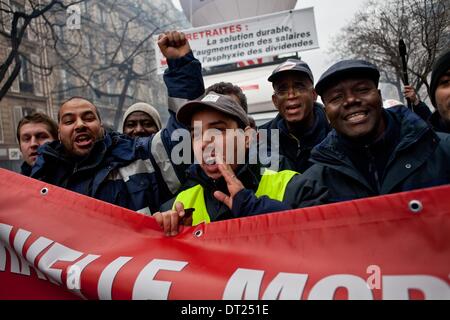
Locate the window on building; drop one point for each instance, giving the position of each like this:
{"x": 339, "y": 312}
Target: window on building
{"x": 20, "y": 112}
{"x": 25, "y": 76}
{"x": 1, "y": 129}
{"x": 19, "y": 7}
{"x": 5, "y": 21}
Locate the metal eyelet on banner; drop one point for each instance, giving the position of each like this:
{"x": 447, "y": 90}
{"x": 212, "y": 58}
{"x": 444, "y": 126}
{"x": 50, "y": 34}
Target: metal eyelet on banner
{"x": 44, "y": 191}
{"x": 198, "y": 233}
{"x": 415, "y": 206}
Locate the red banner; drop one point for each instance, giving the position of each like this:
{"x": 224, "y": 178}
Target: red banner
{"x": 55, "y": 244}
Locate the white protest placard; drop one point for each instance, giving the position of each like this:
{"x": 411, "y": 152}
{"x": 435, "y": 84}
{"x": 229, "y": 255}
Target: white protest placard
{"x": 268, "y": 35}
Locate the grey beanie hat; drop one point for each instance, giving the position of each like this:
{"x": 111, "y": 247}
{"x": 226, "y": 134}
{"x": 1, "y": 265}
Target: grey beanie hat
{"x": 144, "y": 107}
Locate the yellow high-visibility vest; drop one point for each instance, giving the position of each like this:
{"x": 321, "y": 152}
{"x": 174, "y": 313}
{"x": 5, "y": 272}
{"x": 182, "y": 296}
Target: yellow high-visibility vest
{"x": 273, "y": 185}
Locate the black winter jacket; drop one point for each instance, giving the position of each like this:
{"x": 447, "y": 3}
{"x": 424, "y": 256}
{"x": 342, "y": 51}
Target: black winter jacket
{"x": 438, "y": 123}
{"x": 421, "y": 159}
{"x": 294, "y": 153}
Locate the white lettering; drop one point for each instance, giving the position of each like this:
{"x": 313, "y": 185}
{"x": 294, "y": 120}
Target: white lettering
{"x": 243, "y": 284}
{"x": 19, "y": 241}
{"x": 74, "y": 274}
{"x": 107, "y": 277}
{"x": 57, "y": 252}
{"x": 5, "y": 231}
{"x": 286, "y": 286}
{"x": 397, "y": 287}
{"x": 326, "y": 288}
{"x": 146, "y": 287}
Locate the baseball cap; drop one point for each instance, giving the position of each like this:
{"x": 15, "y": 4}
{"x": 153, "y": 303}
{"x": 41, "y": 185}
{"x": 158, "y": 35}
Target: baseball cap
{"x": 213, "y": 100}
{"x": 344, "y": 69}
{"x": 291, "y": 65}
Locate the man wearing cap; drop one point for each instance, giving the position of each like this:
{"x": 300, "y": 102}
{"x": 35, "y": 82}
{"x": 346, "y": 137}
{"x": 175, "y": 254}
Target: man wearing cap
{"x": 141, "y": 120}
{"x": 301, "y": 121}
{"x": 440, "y": 93}
{"x": 372, "y": 151}
{"x": 223, "y": 185}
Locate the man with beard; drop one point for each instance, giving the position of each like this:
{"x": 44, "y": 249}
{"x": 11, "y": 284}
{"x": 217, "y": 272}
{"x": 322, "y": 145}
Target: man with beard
{"x": 372, "y": 151}
{"x": 301, "y": 121}
{"x": 132, "y": 173}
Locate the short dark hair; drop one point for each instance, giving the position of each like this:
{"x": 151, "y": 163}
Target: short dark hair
{"x": 81, "y": 98}
{"x": 228, "y": 88}
{"x": 39, "y": 117}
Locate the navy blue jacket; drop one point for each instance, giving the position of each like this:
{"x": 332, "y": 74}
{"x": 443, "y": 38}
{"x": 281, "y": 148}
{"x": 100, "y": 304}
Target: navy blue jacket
{"x": 137, "y": 174}
{"x": 295, "y": 153}
{"x": 420, "y": 159}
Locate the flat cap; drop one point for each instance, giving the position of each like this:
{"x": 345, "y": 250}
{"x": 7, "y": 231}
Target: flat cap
{"x": 344, "y": 69}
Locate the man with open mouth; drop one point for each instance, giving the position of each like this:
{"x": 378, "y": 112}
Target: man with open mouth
{"x": 133, "y": 173}
{"x": 372, "y": 150}
{"x": 301, "y": 121}
{"x": 222, "y": 184}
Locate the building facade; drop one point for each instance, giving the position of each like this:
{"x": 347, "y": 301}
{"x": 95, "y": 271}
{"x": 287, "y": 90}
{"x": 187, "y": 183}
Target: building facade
{"x": 107, "y": 56}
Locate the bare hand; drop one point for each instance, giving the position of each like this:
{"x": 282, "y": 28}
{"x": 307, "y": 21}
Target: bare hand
{"x": 171, "y": 220}
{"x": 410, "y": 94}
{"x": 234, "y": 185}
{"x": 173, "y": 44}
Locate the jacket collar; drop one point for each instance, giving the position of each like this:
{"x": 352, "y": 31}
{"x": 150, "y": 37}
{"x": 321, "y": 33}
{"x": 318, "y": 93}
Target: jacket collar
{"x": 438, "y": 123}
{"x": 25, "y": 169}
{"x": 55, "y": 151}
{"x": 387, "y": 141}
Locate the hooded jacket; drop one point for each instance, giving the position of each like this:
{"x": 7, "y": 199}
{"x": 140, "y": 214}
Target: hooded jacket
{"x": 420, "y": 159}
{"x": 295, "y": 153}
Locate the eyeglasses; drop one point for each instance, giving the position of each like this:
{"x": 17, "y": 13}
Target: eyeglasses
{"x": 297, "y": 88}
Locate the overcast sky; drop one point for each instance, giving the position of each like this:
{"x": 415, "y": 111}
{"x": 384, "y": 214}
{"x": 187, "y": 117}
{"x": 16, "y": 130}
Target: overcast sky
{"x": 331, "y": 16}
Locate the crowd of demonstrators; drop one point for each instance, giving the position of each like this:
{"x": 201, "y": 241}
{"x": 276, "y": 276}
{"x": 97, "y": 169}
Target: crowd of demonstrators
{"x": 132, "y": 173}
{"x": 372, "y": 151}
{"x": 301, "y": 121}
{"x": 348, "y": 149}
{"x": 141, "y": 120}
{"x": 33, "y": 131}
{"x": 220, "y": 186}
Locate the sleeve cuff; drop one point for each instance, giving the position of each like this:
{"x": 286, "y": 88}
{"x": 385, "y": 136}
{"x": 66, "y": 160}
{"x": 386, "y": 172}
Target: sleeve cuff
{"x": 180, "y": 62}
